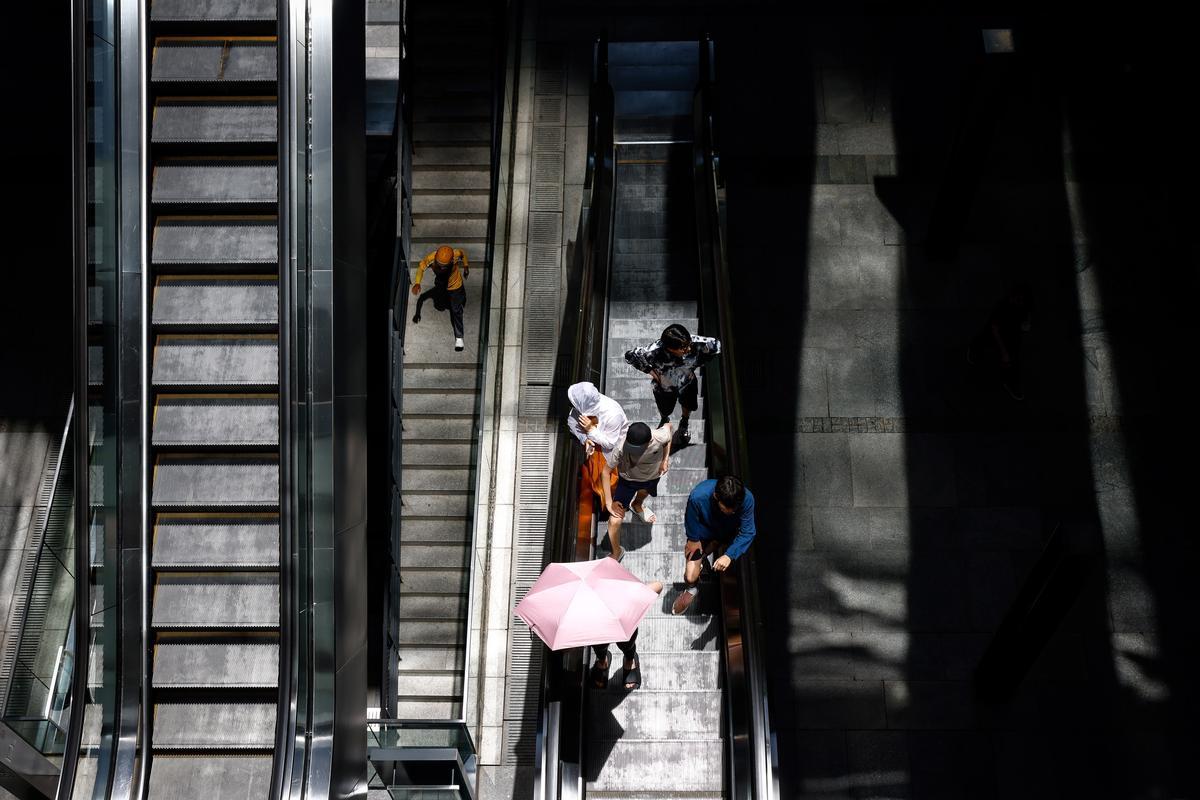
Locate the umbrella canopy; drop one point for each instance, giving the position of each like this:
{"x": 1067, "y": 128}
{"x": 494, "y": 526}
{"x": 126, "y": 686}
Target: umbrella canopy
{"x": 585, "y": 602}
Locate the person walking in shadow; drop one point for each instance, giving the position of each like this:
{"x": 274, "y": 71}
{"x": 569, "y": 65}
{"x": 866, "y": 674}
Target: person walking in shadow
{"x": 632, "y": 668}
{"x": 671, "y": 363}
{"x": 997, "y": 346}
{"x": 450, "y": 267}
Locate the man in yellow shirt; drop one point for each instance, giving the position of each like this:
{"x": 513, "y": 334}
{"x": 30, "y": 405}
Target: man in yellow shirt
{"x": 449, "y": 266}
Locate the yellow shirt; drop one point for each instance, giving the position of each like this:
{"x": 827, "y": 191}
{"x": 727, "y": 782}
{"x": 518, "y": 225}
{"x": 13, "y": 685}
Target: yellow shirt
{"x": 455, "y": 282}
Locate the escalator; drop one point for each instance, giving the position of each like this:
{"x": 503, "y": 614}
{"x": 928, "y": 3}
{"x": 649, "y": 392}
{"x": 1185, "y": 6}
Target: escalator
{"x": 698, "y": 726}
{"x": 213, "y": 209}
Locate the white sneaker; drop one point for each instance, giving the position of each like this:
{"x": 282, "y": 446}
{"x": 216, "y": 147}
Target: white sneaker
{"x": 458, "y": 344}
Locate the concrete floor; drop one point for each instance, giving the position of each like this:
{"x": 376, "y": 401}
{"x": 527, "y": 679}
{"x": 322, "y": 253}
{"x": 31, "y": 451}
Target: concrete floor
{"x": 904, "y": 497}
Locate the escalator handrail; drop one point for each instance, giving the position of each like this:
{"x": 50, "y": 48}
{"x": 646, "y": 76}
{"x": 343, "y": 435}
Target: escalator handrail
{"x": 751, "y": 761}
{"x": 559, "y": 734}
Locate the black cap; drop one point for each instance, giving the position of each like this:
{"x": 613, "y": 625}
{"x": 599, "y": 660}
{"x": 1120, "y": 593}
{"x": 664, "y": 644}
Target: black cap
{"x": 638, "y": 434}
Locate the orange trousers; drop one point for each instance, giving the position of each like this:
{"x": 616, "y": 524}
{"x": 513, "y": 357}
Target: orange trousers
{"x": 593, "y": 474}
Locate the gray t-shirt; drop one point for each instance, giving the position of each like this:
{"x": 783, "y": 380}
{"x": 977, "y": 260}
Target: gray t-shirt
{"x": 647, "y": 466}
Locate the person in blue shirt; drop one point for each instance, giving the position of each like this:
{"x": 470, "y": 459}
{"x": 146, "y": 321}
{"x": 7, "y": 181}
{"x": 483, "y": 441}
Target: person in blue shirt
{"x": 720, "y": 514}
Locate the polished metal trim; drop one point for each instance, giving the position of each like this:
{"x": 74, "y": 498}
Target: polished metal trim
{"x": 80, "y": 31}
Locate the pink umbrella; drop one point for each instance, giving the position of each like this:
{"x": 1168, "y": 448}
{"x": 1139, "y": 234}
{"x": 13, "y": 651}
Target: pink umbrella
{"x": 586, "y": 602}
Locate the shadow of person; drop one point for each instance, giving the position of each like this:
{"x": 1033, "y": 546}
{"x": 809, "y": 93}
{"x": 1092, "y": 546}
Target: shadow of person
{"x": 441, "y": 301}
{"x": 604, "y": 728}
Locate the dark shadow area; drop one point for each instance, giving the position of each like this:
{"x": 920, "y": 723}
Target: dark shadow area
{"x": 1137, "y": 205}
{"x": 35, "y": 304}
{"x": 988, "y": 476}
{"x": 766, "y": 122}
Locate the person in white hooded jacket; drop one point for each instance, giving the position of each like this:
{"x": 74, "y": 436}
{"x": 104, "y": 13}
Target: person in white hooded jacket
{"x": 596, "y": 420}
{"x": 599, "y": 423}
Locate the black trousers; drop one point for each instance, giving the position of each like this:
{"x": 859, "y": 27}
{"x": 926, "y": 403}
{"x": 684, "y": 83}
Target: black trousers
{"x": 628, "y": 649}
{"x": 443, "y": 299}
{"x": 687, "y": 397}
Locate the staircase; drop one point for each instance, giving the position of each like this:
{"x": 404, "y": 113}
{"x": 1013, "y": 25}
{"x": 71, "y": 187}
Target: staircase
{"x": 451, "y": 52}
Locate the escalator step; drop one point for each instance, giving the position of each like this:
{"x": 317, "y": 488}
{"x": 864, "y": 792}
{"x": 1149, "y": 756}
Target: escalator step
{"x": 210, "y": 777}
{"x": 195, "y": 300}
{"x": 230, "y": 360}
{"x": 219, "y": 481}
{"x": 215, "y": 121}
{"x": 224, "y": 726}
{"x": 218, "y": 180}
{"x": 216, "y": 540}
{"x": 212, "y": 10}
{"x": 225, "y": 665}
{"x": 225, "y": 600}
{"x": 216, "y": 420}
{"x": 230, "y": 240}
{"x": 233, "y": 59}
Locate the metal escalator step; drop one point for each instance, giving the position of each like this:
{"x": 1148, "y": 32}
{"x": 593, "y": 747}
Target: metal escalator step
{"x": 657, "y": 714}
{"x": 217, "y": 180}
{"x": 230, "y": 360}
{"x": 224, "y": 600}
{"x": 430, "y": 581}
{"x": 216, "y": 540}
{"x": 190, "y": 664}
{"x": 203, "y": 300}
{"x": 185, "y": 420}
{"x": 231, "y": 121}
{"x": 209, "y": 777}
{"x": 436, "y": 530}
{"x": 671, "y": 765}
{"x": 450, "y": 204}
{"x": 224, "y": 59}
{"x": 438, "y": 401}
{"x": 215, "y": 726}
{"x": 224, "y": 241}
{"x": 440, "y": 454}
{"x": 220, "y": 481}
{"x": 212, "y": 10}
{"x": 452, "y": 156}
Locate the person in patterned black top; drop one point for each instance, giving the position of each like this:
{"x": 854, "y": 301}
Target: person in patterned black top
{"x": 671, "y": 363}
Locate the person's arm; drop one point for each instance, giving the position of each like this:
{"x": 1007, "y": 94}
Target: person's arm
{"x": 609, "y": 430}
{"x": 421, "y": 267}
{"x": 706, "y": 349}
{"x": 666, "y": 459}
{"x": 574, "y": 427}
{"x": 693, "y": 527}
{"x": 460, "y": 257}
{"x": 745, "y": 535}
{"x": 639, "y": 358}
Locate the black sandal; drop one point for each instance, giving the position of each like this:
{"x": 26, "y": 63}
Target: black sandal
{"x": 600, "y": 674}
{"x": 633, "y": 675}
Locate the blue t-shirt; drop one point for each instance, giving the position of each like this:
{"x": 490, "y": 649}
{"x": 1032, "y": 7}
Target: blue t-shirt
{"x": 703, "y": 520}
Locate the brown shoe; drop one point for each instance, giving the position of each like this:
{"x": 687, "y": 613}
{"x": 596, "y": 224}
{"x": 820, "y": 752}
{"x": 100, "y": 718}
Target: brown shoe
{"x": 684, "y": 600}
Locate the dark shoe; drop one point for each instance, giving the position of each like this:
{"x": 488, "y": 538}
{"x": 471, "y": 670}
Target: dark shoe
{"x": 600, "y": 675}
{"x": 684, "y": 436}
{"x": 633, "y": 676}
{"x": 684, "y": 600}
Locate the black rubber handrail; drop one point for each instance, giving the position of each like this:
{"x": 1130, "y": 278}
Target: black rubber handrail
{"x": 560, "y": 735}
{"x": 749, "y": 740}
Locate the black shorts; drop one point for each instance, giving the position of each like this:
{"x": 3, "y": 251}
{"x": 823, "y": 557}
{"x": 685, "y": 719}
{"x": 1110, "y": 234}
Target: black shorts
{"x": 688, "y": 397}
{"x": 627, "y": 490}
